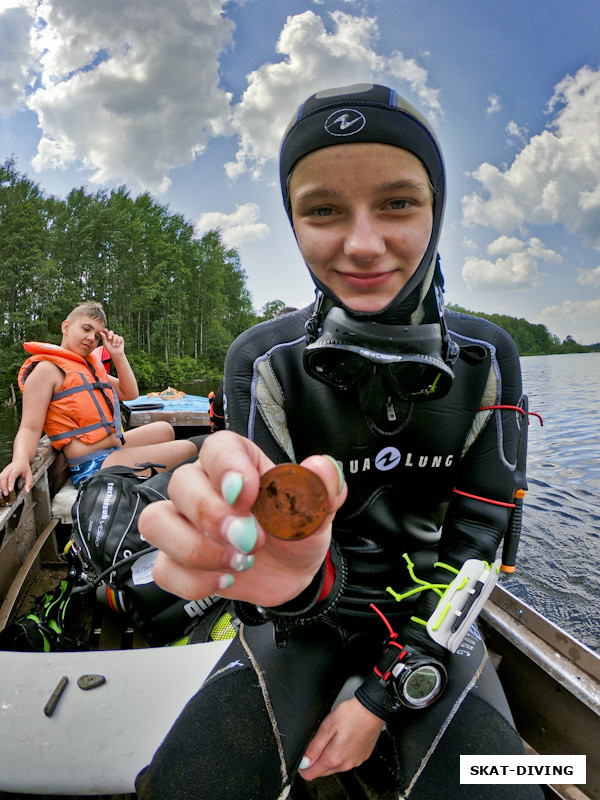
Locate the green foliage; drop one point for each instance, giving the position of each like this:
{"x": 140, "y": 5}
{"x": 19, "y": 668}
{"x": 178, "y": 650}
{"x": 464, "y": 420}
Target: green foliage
{"x": 530, "y": 339}
{"x": 179, "y": 301}
{"x": 272, "y": 309}
{"x": 143, "y": 369}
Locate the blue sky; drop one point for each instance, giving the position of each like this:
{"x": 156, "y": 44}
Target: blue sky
{"x": 187, "y": 99}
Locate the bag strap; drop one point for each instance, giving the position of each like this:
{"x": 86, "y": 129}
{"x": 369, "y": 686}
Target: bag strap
{"x": 120, "y": 469}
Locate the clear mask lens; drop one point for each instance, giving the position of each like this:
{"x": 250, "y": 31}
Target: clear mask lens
{"x": 416, "y": 382}
{"x": 336, "y": 367}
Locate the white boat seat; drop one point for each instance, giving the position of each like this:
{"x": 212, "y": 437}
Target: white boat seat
{"x": 62, "y": 502}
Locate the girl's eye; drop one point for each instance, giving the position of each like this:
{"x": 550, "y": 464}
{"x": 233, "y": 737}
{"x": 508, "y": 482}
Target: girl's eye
{"x": 399, "y": 204}
{"x": 325, "y": 211}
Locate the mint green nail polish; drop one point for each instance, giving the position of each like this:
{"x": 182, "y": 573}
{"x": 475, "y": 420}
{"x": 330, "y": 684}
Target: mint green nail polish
{"x": 340, "y": 471}
{"x": 231, "y": 487}
{"x": 240, "y": 563}
{"x": 225, "y": 581}
{"x": 241, "y": 532}
{"x": 305, "y": 763}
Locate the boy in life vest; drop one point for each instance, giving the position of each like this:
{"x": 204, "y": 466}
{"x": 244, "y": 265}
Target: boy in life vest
{"x": 68, "y": 394}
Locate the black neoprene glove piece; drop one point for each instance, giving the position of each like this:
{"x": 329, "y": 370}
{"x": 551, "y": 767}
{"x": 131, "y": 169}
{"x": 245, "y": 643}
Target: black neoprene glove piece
{"x": 303, "y": 609}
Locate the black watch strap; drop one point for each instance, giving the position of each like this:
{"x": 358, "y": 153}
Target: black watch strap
{"x": 383, "y": 691}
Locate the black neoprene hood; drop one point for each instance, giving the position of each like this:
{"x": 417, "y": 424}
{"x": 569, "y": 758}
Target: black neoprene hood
{"x": 369, "y": 113}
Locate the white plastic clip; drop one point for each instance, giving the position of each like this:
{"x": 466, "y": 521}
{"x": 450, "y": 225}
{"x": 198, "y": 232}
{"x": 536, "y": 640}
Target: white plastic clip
{"x": 461, "y": 603}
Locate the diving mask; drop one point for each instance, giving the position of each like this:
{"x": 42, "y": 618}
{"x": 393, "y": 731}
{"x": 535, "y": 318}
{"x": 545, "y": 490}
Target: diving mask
{"x": 348, "y": 350}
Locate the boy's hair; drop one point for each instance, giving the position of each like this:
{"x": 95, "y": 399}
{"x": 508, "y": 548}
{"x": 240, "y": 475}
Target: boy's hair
{"x": 89, "y": 309}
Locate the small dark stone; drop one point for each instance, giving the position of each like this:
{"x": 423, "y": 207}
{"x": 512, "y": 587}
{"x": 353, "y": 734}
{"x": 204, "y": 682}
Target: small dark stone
{"x": 90, "y": 681}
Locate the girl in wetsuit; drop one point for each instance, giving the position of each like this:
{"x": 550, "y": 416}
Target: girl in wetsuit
{"x": 418, "y": 411}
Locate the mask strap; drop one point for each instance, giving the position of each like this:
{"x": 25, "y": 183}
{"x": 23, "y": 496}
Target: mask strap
{"x": 450, "y": 350}
{"x": 321, "y": 308}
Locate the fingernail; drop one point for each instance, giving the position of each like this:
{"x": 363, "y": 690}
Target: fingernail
{"x": 225, "y": 581}
{"x": 241, "y": 532}
{"x": 238, "y": 562}
{"x": 340, "y": 471}
{"x": 305, "y": 763}
{"x": 231, "y": 486}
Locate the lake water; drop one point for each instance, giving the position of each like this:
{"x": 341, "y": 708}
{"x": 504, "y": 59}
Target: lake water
{"x": 558, "y": 568}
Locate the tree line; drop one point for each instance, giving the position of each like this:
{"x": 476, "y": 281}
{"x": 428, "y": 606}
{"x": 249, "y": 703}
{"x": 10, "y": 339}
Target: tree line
{"x": 530, "y": 339}
{"x": 178, "y": 300}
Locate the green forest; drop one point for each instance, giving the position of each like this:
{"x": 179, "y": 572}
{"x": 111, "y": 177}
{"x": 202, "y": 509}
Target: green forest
{"x": 178, "y": 300}
{"x": 532, "y": 340}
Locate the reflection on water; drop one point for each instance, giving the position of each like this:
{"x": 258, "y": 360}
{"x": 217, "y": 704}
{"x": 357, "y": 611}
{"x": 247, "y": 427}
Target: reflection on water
{"x": 9, "y": 423}
{"x": 558, "y": 569}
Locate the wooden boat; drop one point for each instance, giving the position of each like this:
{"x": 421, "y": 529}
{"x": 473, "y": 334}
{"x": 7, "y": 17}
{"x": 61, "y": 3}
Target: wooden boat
{"x": 96, "y": 741}
{"x": 188, "y": 414}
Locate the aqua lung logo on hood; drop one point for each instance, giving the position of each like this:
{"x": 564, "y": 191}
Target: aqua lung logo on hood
{"x": 345, "y": 122}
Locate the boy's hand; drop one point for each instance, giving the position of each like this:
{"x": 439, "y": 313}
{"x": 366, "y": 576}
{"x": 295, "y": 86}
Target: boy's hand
{"x": 210, "y": 541}
{"x": 114, "y": 344}
{"x": 10, "y": 473}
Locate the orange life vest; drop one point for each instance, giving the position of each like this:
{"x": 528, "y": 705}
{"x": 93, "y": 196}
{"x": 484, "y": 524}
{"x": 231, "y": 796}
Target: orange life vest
{"x": 86, "y": 407}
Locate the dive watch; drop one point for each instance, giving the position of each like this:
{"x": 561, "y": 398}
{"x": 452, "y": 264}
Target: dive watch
{"x": 418, "y": 681}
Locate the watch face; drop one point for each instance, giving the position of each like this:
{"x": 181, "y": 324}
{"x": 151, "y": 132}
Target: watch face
{"x": 422, "y": 686}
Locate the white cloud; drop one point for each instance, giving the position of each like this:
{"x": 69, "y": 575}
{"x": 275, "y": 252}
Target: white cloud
{"x": 581, "y": 320}
{"x": 129, "y": 90}
{"x": 555, "y": 178}
{"x": 534, "y": 247}
{"x": 344, "y": 56}
{"x": 516, "y": 135}
{"x": 494, "y": 104}
{"x": 516, "y": 266}
{"x": 590, "y": 277}
{"x": 504, "y": 245}
{"x": 237, "y": 229}
{"x": 17, "y": 55}
{"x": 518, "y": 271}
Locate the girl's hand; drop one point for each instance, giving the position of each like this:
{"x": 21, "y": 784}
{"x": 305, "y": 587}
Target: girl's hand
{"x": 345, "y": 739}
{"x": 210, "y": 541}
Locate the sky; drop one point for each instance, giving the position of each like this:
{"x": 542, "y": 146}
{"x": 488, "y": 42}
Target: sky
{"x": 187, "y": 100}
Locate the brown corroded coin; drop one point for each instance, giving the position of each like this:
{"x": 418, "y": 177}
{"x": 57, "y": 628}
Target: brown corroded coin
{"x": 291, "y": 502}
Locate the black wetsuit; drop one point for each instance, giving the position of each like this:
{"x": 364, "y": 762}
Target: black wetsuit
{"x": 408, "y": 469}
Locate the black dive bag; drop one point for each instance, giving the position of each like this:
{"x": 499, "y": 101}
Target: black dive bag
{"x": 113, "y": 554}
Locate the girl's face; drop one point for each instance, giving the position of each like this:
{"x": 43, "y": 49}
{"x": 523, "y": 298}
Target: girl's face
{"x": 362, "y": 215}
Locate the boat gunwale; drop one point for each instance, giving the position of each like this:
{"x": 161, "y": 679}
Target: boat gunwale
{"x": 504, "y": 609}
{"x": 538, "y": 648}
